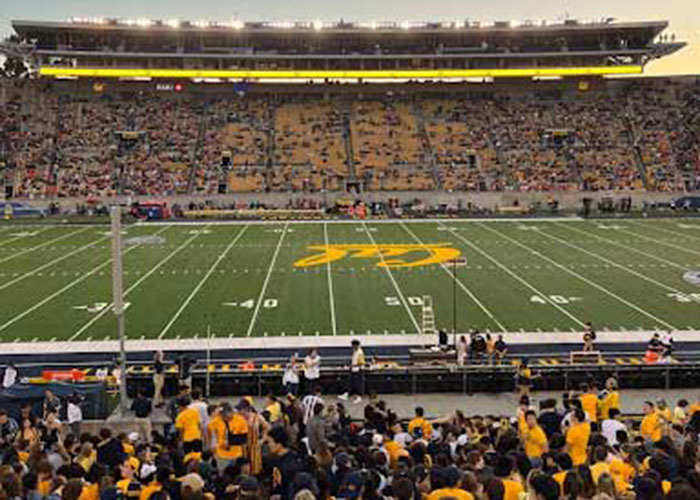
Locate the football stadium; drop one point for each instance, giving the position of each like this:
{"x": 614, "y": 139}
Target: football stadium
{"x": 436, "y": 260}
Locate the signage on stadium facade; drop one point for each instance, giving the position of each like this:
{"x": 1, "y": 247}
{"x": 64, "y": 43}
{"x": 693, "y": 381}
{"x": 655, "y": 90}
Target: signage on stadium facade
{"x": 169, "y": 87}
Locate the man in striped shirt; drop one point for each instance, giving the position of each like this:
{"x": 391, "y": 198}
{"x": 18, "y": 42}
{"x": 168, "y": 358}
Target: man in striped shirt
{"x": 310, "y": 401}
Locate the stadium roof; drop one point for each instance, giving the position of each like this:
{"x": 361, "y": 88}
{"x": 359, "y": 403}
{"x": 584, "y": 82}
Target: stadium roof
{"x": 25, "y": 26}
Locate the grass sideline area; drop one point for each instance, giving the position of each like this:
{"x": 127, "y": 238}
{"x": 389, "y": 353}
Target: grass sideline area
{"x": 292, "y": 279}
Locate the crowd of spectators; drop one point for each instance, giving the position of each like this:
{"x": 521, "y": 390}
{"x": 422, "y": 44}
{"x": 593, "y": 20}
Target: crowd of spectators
{"x": 307, "y": 447}
{"x": 65, "y": 146}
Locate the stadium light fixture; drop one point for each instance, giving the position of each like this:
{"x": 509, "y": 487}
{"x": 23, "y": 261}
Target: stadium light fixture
{"x": 57, "y": 71}
{"x": 236, "y": 24}
{"x": 405, "y": 25}
{"x": 173, "y": 23}
{"x": 201, "y": 23}
{"x": 143, "y": 22}
{"x": 318, "y": 25}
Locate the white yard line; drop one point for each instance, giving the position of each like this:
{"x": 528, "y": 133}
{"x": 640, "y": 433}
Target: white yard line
{"x": 611, "y": 262}
{"x": 331, "y": 296}
{"x": 655, "y": 227}
{"x": 201, "y": 282}
{"x": 518, "y": 278}
{"x": 267, "y": 280}
{"x": 133, "y": 287}
{"x": 659, "y": 242}
{"x": 627, "y": 247}
{"x": 67, "y": 287}
{"x": 31, "y": 249}
{"x": 459, "y": 282}
{"x": 583, "y": 278}
{"x": 355, "y": 221}
{"x": 3, "y": 243}
{"x": 49, "y": 264}
{"x": 419, "y": 330}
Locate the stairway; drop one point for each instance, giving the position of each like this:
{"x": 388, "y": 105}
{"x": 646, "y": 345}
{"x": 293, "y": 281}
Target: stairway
{"x": 194, "y": 158}
{"x": 428, "y": 153}
{"x": 633, "y": 137}
{"x": 347, "y": 136}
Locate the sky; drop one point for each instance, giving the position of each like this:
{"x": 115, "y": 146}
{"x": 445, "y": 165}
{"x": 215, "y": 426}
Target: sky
{"x": 684, "y": 15}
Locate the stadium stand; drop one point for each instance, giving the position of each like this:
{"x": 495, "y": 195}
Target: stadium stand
{"x": 635, "y": 137}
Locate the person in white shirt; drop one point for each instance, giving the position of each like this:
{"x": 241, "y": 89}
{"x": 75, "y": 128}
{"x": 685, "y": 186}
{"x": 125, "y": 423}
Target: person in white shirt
{"x": 357, "y": 365}
{"x": 10, "y": 376}
{"x": 309, "y": 402}
{"x": 312, "y": 369}
{"x": 611, "y": 426}
{"x": 74, "y": 414}
{"x": 203, "y": 408}
{"x": 290, "y": 378}
{"x": 462, "y": 349}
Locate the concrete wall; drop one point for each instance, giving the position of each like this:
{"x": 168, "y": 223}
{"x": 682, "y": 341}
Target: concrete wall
{"x": 567, "y": 200}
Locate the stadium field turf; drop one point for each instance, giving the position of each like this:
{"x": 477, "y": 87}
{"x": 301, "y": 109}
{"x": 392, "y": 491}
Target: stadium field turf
{"x": 349, "y": 278}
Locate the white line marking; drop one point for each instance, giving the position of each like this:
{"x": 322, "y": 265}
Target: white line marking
{"x": 391, "y": 277}
{"x": 379, "y": 221}
{"x": 331, "y": 296}
{"x": 659, "y": 242}
{"x": 267, "y": 279}
{"x": 31, "y": 249}
{"x": 201, "y": 282}
{"x": 613, "y": 263}
{"x": 665, "y": 230}
{"x": 49, "y": 264}
{"x": 626, "y": 247}
{"x": 3, "y": 243}
{"x": 522, "y": 280}
{"x": 131, "y": 288}
{"x": 68, "y": 286}
{"x": 583, "y": 278}
{"x": 459, "y": 282}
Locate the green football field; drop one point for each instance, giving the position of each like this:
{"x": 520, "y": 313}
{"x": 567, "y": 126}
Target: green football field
{"x": 338, "y": 278}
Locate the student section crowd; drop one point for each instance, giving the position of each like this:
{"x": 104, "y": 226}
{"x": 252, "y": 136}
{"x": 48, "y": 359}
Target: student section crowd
{"x": 307, "y": 447}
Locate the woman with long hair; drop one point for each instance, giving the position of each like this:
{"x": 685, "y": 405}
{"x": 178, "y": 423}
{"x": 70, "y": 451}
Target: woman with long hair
{"x": 28, "y": 432}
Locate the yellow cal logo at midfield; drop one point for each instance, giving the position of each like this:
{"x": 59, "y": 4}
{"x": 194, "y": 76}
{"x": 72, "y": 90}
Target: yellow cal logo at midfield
{"x": 436, "y": 253}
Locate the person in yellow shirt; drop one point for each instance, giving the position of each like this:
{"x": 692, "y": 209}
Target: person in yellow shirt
{"x": 504, "y": 471}
{"x": 563, "y": 465}
{"x": 532, "y": 436}
{"x": 600, "y": 463}
{"x": 680, "y": 412}
{"x": 651, "y": 428}
{"x": 419, "y": 421}
{"x": 394, "y": 449}
{"x": 664, "y": 412}
{"x": 230, "y": 431}
{"x": 273, "y": 408}
{"x": 189, "y": 423}
{"x": 128, "y": 486}
{"x": 589, "y": 401}
{"x": 450, "y": 477}
{"x": 611, "y": 399}
{"x": 577, "y": 438}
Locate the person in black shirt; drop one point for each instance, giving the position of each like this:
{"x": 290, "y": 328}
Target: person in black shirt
{"x": 110, "y": 451}
{"x": 478, "y": 344}
{"x": 285, "y": 462}
{"x": 501, "y": 349}
{"x": 184, "y": 364}
{"x": 142, "y": 408}
{"x": 549, "y": 419}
